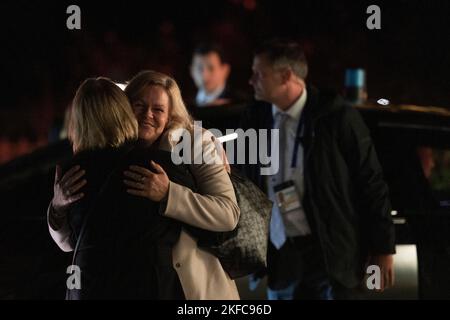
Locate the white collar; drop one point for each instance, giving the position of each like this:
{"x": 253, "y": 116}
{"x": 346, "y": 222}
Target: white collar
{"x": 296, "y": 109}
{"x": 203, "y": 97}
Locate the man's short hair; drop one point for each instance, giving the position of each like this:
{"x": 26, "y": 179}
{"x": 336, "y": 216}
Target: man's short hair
{"x": 211, "y": 47}
{"x": 281, "y": 53}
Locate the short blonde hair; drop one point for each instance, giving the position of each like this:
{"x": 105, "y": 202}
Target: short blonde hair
{"x": 179, "y": 117}
{"x": 101, "y": 116}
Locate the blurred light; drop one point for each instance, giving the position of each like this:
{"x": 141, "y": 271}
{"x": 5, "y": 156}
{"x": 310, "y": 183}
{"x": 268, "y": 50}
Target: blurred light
{"x": 228, "y": 137}
{"x": 394, "y": 213}
{"x": 383, "y": 102}
{"x": 399, "y": 220}
{"x": 249, "y": 4}
{"x": 121, "y": 85}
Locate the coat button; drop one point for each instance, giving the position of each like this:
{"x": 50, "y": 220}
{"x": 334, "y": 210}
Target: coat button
{"x": 178, "y": 265}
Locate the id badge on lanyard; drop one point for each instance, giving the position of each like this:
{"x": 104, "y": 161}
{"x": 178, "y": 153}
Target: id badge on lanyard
{"x": 290, "y": 206}
{"x": 286, "y": 197}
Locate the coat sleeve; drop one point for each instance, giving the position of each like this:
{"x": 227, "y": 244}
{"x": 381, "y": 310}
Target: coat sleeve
{"x": 59, "y": 231}
{"x": 372, "y": 190}
{"x": 214, "y": 207}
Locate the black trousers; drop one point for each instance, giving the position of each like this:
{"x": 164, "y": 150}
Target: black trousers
{"x": 129, "y": 275}
{"x": 299, "y": 264}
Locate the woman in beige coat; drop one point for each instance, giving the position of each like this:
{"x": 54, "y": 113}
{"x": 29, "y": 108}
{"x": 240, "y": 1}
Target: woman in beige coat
{"x": 160, "y": 111}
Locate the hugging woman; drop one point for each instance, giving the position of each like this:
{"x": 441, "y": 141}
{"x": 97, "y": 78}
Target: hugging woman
{"x": 147, "y": 203}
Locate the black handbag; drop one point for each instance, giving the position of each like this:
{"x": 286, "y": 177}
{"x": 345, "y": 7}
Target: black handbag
{"x": 244, "y": 250}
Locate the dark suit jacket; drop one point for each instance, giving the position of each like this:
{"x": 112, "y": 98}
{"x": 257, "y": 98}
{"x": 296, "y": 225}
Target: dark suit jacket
{"x": 233, "y": 95}
{"x": 346, "y": 199}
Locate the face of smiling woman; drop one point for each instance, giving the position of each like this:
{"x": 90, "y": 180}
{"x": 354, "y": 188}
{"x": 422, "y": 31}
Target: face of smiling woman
{"x": 152, "y": 112}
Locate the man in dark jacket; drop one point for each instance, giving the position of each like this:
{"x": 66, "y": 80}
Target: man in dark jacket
{"x": 332, "y": 212}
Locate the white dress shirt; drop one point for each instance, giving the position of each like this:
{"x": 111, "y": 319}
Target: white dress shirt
{"x": 299, "y": 225}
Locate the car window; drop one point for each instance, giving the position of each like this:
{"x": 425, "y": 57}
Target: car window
{"x": 436, "y": 168}
{"x": 416, "y": 166}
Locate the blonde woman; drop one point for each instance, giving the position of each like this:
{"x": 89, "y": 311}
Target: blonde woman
{"x": 123, "y": 245}
{"x": 157, "y": 103}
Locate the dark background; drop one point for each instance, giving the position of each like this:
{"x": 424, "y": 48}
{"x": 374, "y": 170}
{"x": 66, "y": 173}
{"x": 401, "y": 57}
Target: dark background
{"x": 42, "y": 62}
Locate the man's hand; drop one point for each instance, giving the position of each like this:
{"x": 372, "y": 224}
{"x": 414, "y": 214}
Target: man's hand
{"x": 144, "y": 183}
{"x": 65, "y": 189}
{"x": 386, "y": 264}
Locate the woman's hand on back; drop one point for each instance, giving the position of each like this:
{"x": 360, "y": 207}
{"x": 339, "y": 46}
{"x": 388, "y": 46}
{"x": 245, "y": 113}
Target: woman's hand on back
{"x": 65, "y": 188}
{"x": 145, "y": 183}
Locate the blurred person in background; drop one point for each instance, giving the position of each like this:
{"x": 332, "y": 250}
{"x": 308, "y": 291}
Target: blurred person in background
{"x": 425, "y": 155}
{"x": 210, "y": 70}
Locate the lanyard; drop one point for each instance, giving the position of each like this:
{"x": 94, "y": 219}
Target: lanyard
{"x": 298, "y": 138}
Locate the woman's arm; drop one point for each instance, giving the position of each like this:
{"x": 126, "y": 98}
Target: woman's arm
{"x": 214, "y": 207}
{"x": 65, "y": 192}
{"x": 59, "y": 229}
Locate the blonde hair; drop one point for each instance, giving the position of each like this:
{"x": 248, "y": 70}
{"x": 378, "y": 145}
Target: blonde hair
{"x": 101, "y": 116}
{"x": 179, "y": 117}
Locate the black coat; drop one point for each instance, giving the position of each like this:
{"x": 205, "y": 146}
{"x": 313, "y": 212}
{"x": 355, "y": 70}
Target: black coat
{"x": 125, "y": 251}
{"x": 346, "y": 198}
